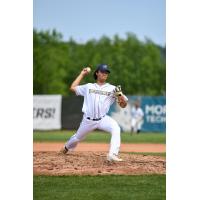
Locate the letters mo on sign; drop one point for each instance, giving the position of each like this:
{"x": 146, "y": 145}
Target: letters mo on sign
{"x": 155, "y": 113}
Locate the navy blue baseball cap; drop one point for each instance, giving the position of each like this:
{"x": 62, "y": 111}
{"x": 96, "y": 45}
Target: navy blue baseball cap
{"x": 101, "y": 68}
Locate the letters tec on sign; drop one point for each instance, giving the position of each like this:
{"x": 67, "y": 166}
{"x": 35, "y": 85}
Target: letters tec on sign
{"x": 47, "y": 112}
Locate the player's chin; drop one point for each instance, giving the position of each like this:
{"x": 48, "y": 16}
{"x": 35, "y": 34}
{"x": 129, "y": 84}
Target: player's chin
{"x": 105, "y": 77}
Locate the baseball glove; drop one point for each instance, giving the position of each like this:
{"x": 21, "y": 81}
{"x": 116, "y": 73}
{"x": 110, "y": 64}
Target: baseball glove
{"x": 118, "y": 91}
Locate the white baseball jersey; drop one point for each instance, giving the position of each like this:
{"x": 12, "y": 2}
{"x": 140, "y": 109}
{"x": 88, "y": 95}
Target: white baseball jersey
{"x": 97, "y": 99}
{"x": 137, "y": 113}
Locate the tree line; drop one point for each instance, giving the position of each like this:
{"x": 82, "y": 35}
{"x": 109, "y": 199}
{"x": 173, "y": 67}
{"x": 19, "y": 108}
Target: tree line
{"x": 138, "y": 66}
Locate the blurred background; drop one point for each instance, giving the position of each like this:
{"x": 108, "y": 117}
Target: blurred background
{"x": 127, "y": 35}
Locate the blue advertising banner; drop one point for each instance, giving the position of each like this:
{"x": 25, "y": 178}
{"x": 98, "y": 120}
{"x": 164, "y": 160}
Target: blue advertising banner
{"x": 153, "y": 110}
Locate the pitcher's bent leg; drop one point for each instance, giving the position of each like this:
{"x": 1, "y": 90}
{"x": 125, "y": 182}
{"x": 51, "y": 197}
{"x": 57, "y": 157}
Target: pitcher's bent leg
{"x": 115, "y": 141}
{"x": 110, "y": 125}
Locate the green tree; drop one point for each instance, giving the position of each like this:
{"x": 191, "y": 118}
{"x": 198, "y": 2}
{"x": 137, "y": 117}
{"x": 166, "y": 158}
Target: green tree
{"x": 139, "y": 66}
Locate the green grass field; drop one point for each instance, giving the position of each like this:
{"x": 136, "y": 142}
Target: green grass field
{"x": 163, "y": 154}
{"x": 97, "y": 136}
{"x": 149, "y": 187}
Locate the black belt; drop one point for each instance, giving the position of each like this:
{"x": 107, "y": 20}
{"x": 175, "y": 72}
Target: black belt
{"x": 95, "y": 119}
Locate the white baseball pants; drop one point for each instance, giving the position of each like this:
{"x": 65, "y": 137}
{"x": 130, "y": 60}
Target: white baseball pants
{"x": 106, "y": 124}
{"x": 136, "y": 123}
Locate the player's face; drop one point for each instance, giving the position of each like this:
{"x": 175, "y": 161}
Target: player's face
{"x": 102, "y": 76}
{"x": 137, "y": 105}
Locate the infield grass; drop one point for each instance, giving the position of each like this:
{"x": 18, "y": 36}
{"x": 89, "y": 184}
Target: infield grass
{"x": 162, "y": 154}
{"x": 147, "y": 187}
{"x": 99, "y": 137}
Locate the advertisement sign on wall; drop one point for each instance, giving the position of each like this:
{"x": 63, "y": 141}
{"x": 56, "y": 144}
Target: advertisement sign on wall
{"x": 154, "y": 109}
{"x": 47, "y": 112}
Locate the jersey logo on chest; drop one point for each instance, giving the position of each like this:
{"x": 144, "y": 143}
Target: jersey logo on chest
{"x": 100, "y": 92}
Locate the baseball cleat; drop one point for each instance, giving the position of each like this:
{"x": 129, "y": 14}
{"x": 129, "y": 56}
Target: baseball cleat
{"x": 64, "y": 150}
{"x": 114, "y": 158}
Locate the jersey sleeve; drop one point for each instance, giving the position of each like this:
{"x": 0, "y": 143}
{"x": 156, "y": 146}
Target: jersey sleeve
{"x": 81, "y": 90}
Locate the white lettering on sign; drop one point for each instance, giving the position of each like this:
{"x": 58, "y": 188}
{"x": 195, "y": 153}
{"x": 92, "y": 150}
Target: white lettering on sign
{"x": 155, "y": 119}
{"x": 155, "y": 109}
{"x": 155, "y": 113}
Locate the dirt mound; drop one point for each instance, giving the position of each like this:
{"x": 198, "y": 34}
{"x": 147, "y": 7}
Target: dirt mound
{"x": 95, "y": 163}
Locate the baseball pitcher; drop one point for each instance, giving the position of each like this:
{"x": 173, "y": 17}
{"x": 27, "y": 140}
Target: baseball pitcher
{"x": 98, "y": 97}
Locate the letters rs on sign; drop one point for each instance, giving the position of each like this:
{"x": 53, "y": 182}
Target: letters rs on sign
{"x": 44, "y": 113}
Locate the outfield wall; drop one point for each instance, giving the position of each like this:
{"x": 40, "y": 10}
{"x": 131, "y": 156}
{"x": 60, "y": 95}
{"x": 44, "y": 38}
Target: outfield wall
{"x": 54, "y": 112}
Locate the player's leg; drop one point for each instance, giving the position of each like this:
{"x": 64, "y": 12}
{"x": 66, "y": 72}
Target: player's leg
{"x": 86, "y": 126}
{"x": 133, "y": 125}
{"x": 110, "y": 125}
{"x": 136, "y": 126}
{"x": 139, "y": 126}
{"x": 132, "y": 130}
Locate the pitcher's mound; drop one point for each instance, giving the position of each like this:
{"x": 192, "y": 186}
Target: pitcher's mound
{"x": 95, "y": 163}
